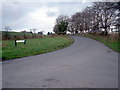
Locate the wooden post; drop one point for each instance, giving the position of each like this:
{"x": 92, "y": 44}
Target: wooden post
{"x": 15, "y": 43}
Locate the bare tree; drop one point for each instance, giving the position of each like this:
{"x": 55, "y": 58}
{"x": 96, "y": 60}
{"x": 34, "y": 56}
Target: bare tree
{"x": 7, "y": 28}
{"x": 34, "y": 30}
{"x": 81, "y": 21}
{"x": 31, "y": 30}
{"x": 6, "y": 33}
{"x": 76, "y": 22}
{"x": 105, "y": 14}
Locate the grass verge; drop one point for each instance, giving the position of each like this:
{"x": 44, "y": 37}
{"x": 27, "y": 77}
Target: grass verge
{"x": 34, "y": 46}
{"x": 111, "y": 41}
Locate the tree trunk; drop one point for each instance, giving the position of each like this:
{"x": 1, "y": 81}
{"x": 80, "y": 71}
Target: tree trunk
{"x": 106, "y": 32}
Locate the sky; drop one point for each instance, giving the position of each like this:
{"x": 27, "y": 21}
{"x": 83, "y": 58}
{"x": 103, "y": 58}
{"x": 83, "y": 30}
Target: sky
{"x": 21, "y": 16}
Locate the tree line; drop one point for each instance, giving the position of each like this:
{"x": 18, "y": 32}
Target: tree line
{"x": 99, "y": 17}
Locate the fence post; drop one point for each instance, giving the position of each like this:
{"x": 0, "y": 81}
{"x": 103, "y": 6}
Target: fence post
{"x": 15, "y": 43}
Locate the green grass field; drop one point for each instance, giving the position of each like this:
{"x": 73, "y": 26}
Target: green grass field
{"x": 108, "y": 41}
{"x": 34, "y": 46}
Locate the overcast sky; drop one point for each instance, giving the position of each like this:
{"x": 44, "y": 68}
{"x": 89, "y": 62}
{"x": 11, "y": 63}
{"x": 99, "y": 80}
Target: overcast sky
{"x": 40, "y": 15}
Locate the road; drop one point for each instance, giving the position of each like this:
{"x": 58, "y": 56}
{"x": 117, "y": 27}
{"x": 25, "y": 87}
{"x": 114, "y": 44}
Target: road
{"x": 85, "y": 64}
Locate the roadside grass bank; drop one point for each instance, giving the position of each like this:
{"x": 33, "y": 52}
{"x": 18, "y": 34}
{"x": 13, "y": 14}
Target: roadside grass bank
{"x": 112, "y": 41}
{"x": 34, "y": 46}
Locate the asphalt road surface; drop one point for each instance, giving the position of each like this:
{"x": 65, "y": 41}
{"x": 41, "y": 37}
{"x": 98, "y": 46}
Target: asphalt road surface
{"x": 85, "y": 64}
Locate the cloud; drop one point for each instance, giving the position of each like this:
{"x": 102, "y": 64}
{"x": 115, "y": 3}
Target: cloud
{"x": 51, "y": 14}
